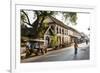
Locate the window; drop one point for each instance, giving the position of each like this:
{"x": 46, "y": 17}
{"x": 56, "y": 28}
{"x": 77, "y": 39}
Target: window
{"x": 62, "y": 31}
{"x": 57, "y": 30}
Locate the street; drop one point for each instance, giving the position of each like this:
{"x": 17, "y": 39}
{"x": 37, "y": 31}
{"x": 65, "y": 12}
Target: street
{"x": 65, "y": 54}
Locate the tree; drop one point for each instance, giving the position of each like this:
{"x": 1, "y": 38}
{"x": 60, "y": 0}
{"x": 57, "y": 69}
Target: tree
{"x": 39, "y": 16}
{"x": 71, "y": 15}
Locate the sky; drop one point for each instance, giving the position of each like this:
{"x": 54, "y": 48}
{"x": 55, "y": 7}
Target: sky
{"x": 83, "y": 22}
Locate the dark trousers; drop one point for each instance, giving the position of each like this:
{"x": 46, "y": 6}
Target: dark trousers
{"x": 75, "y": 51}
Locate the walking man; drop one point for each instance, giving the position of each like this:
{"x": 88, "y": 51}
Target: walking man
{"x": 75, "y": 47}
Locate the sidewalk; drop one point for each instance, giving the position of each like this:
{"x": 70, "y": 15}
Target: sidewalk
{"x": 68, "y": 51}
{"x": 53, "y": 51}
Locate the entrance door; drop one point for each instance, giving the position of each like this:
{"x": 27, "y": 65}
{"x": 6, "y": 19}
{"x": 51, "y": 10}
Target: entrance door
{"x": 48, "y": 41}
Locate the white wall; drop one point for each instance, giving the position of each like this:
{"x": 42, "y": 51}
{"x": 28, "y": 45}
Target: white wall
{"x": 5, "y": 36}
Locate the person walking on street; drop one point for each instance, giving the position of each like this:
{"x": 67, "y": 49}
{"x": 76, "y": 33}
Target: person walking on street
{"x": 75, "y": 47}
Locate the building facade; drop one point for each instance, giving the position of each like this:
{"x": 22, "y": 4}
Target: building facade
{"x": 61, "y": 33}
{"x": 65, "y": 34}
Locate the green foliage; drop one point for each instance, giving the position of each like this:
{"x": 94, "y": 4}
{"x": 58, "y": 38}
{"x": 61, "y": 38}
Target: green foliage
{"x": 54, "y": 41}
{"x": 71, "y": 15}
{"x": 42, "y": 30}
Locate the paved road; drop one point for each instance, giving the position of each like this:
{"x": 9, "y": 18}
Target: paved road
{"x": 66, "y": 54}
